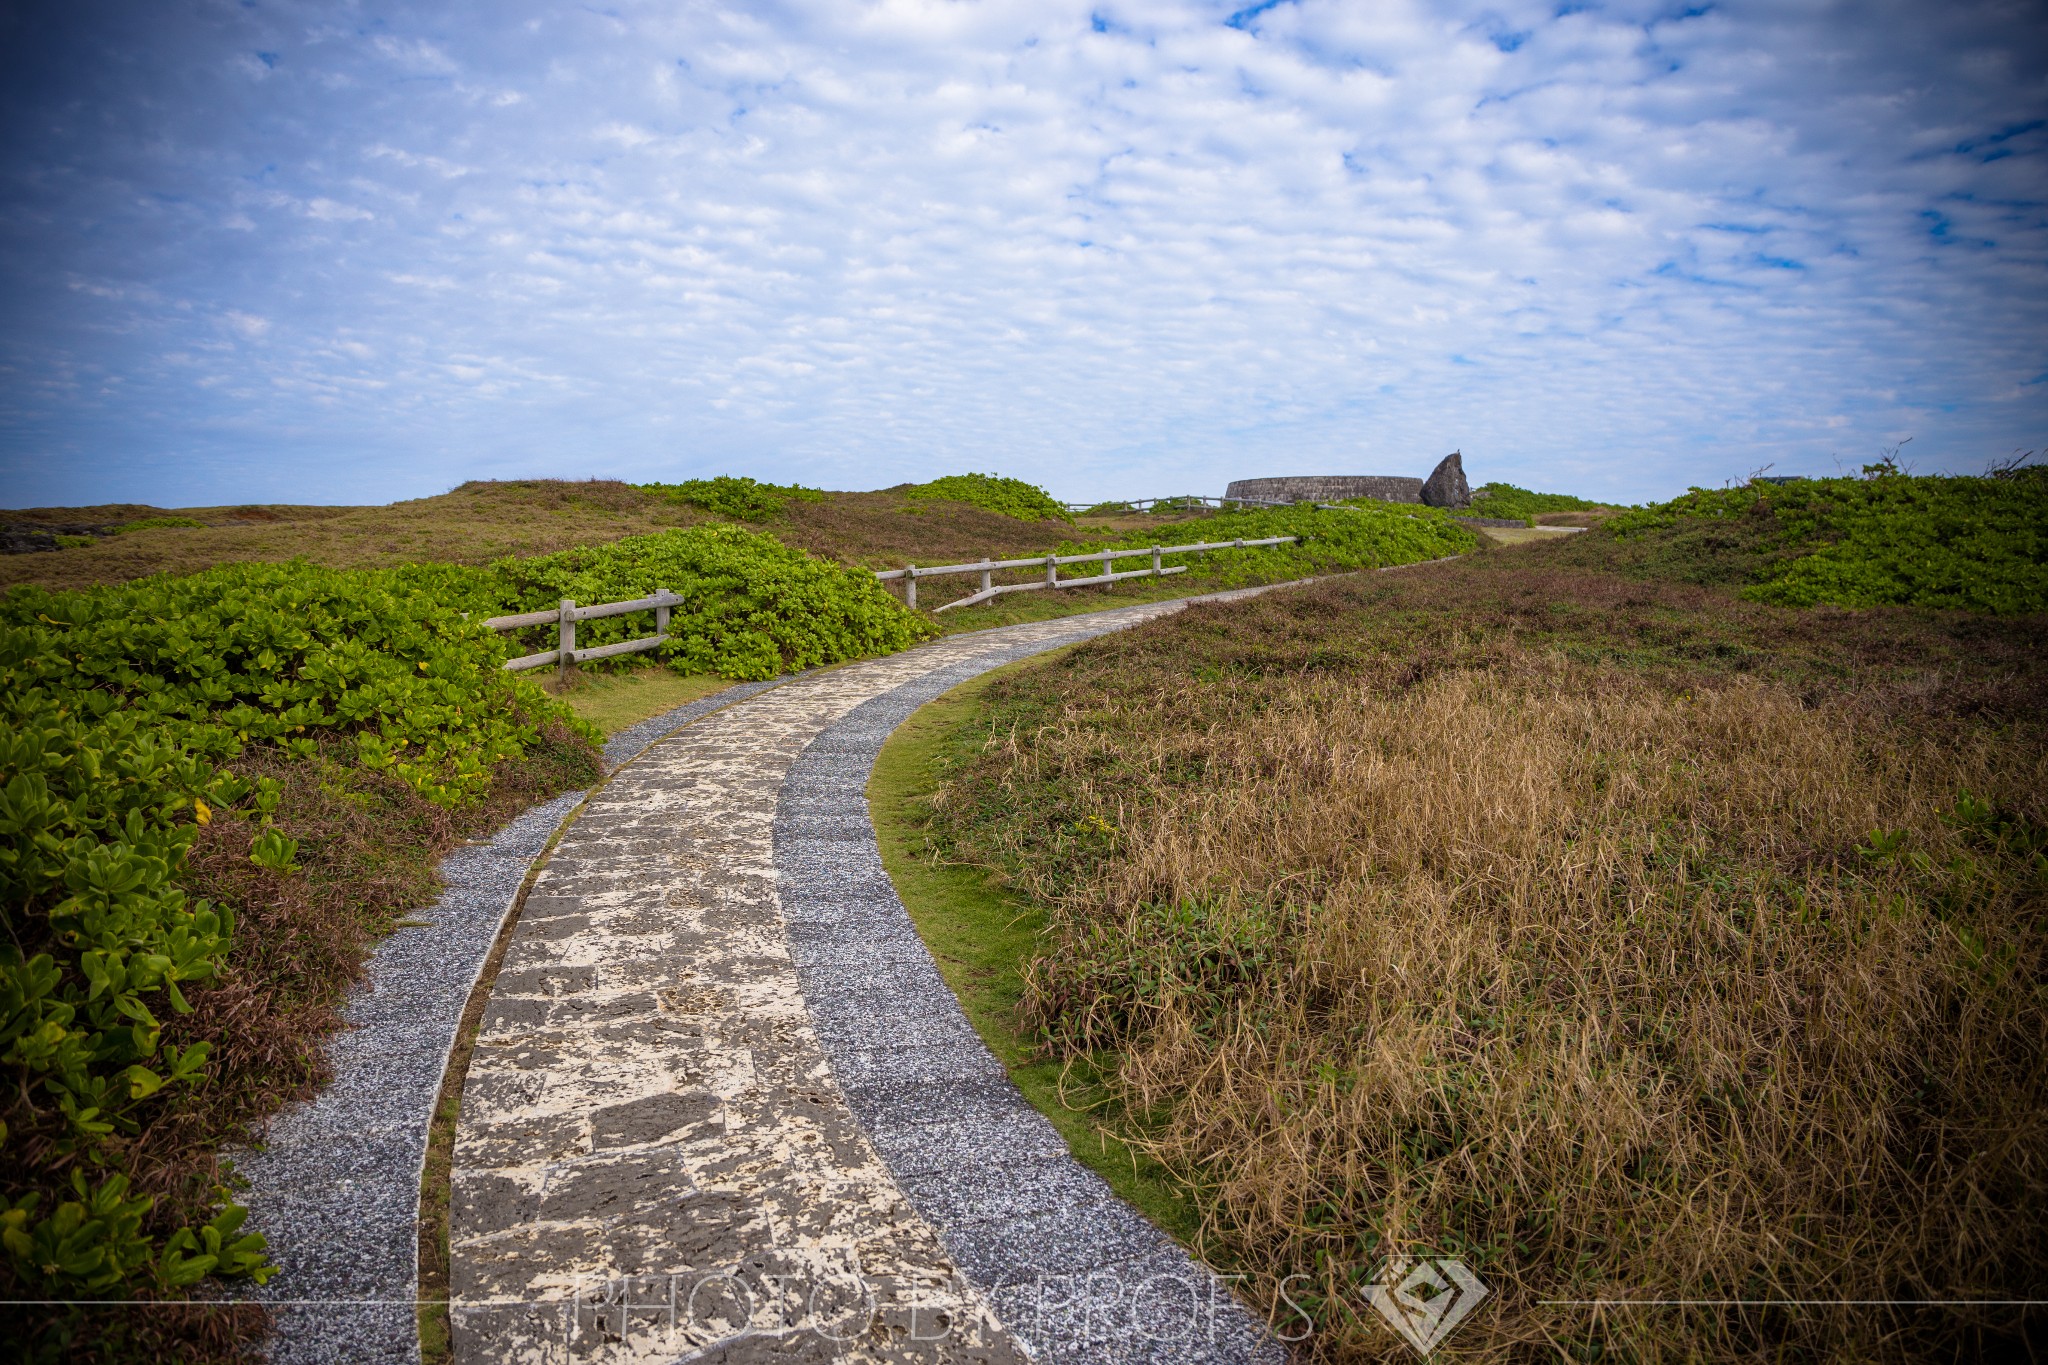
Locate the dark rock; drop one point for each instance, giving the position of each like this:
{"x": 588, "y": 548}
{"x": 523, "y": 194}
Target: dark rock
{"x": 24, "y": 538}
{"x": 1446, "y": 486}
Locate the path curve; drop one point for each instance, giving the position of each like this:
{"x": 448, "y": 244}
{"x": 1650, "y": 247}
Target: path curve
{"x": 722, "y": 1107}
{"x": 335, "y": 1185}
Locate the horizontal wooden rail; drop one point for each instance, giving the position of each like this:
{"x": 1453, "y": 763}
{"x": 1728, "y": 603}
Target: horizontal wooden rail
{"x": 1051, "y": 563}
{"x": 565, "y": 655}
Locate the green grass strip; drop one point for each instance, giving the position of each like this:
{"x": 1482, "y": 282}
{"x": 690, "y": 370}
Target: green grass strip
{"x": 982, "y": 935}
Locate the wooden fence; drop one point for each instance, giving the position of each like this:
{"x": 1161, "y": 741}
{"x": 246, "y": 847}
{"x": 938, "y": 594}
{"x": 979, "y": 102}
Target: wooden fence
{"x": 566, "y": 656}
{"x": 1051, "y": 563}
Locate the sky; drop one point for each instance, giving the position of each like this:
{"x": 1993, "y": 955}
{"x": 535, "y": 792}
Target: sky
{"x": 288, "y": 251}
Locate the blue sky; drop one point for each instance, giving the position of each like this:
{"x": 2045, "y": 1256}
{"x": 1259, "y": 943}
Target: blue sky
{"x": 355, "y": 252}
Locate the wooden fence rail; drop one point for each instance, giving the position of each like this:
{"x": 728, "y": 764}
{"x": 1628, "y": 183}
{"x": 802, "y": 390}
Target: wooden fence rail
{"x": 565, "y": 655}
{"x": 1051, "y": 564}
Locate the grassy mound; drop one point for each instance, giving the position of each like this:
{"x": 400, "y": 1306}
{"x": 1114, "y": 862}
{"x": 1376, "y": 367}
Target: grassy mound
{"x": 179, "y": 756}
{"x": 741, "y": 499}
{"x": 1506, "y": 500}
{"x": 1621, "y": 938}
{"x": 993, "y": 493}
{"x": 1978, "y": 544}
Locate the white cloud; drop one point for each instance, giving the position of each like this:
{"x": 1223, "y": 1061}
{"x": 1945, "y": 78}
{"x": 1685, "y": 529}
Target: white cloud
{"x": 331, "y": 211}
{"x": 1616, "y": 250}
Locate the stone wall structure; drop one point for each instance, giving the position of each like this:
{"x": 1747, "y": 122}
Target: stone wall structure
{"x": 1328, "y": 488}
{"x": 1445, "y": 487}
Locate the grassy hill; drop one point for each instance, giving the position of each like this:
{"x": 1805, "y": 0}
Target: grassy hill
{"x": 1625, "y": 935}
{"x": 483, "y": 521}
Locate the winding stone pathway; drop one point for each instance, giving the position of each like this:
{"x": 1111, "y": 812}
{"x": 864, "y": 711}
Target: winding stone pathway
{"x": 722, "y": 1107}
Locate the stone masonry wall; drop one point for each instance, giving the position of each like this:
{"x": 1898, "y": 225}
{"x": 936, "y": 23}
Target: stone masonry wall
{"x": 1328, "y": 488}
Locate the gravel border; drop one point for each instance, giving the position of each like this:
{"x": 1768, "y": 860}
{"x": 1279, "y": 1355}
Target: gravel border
{"x": 335, "y": 1187}
{"x": 1074, "y": 1272}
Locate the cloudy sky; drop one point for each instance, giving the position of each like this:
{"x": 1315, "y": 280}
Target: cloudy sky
{"x": 330, "y": 252}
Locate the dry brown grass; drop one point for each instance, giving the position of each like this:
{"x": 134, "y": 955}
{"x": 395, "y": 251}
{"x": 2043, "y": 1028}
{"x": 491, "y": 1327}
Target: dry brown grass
{"x": 474, "y": 524}
{"x": 483, "y": 521}
{"x": 1567, "y": 951}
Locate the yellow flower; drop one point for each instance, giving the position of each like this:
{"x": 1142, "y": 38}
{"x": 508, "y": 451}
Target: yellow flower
{"x": 200, "y": 811}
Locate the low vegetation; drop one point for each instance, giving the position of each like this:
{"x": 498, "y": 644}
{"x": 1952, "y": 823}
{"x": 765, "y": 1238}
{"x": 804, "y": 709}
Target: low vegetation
{"x": 1622, "y": 937}
{"x": 215, "y": 790}
{"x": 618, "y": 698}
{"x": 1974, "y": 544}
{"x": 158, "y": 524}
{"x": 1519, "y": 504}
{"x": 473, "y": 524}
{"x": 1329, "y": 542}
{"x": 753, "y": 607}
{"x": 738, "y": 499}
{"x": 993, "y": 493}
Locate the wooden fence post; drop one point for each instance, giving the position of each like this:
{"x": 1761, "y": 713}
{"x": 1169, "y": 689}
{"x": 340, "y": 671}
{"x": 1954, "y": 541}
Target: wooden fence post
{"x": 1155, "y": 559}
{"x": 1052, "y": 570}
{"x": 565, "y": 641}
{"x": 910, "y": 586}
{"x": 985, "y": 584}
{"x": 661, "y": 614}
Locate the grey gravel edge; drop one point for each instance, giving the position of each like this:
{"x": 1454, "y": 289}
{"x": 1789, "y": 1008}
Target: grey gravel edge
{"x": 335, "y": 1187}
{"x": 1072, "y": 1270}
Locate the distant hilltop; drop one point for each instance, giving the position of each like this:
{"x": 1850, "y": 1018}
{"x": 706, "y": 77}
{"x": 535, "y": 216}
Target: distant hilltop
{"x": 1445, "y": 487}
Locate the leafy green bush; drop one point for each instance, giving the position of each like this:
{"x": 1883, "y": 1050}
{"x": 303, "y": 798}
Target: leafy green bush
{"x": 1506, "y": 500}
{"x": 74, "y": 542}
{"x": 741, "y": 498}
{"x": 1977, "y": 544}
{"x": 1331, "y": 541}
{"x": 156, "y": 523}
{"x": 1109, "y": 509}
{"x": 120, "y": 709}
{"x": 994, "y": 493}
{"x": 753, "y": 607}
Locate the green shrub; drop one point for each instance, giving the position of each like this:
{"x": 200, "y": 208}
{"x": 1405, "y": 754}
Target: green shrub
{"x": 741, "y": 498}
{"x": 1110, "y": 509}
{"x": 1976, "y": 544}
{"x": 1506, "y": 500}
{"x": 75, "y": 542}
{"x": 121, "y": 709}
{"x": 1367, "y": 537}
{"x": 753, "y": 607}
{"x": 994, "y": 493}
{"x": 156, "y": 523}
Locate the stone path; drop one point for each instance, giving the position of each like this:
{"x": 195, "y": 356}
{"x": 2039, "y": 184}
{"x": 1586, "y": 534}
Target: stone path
{"x": 335, "y": 1188}
{"x": 723, "y": 1108}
